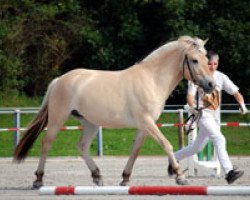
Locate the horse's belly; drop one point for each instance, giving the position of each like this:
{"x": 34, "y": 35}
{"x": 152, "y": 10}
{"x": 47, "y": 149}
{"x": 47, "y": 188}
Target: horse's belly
{"x": 108, "y": 119}
{"x": 105, "y": 112}
{"x": 117, "y": 113}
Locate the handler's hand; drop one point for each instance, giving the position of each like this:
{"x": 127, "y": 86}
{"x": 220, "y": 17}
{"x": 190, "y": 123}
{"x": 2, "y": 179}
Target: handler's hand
{"x": 243, "y": 109}
{"x": 193, "y": 111}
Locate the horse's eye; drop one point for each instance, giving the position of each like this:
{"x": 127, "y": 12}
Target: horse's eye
{"x": 195, "y": 61}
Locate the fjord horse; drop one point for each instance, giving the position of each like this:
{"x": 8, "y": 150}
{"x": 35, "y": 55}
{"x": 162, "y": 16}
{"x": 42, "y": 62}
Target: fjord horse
{"x": 133, "y": 97}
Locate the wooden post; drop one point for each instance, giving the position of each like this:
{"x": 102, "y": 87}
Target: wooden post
{"x": 181, "y": 128}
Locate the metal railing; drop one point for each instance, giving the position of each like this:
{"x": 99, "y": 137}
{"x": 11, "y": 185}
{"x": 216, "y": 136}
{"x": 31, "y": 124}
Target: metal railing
{"x": 33, "y": 110}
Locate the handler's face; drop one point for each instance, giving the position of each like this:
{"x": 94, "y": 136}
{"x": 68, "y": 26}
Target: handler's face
{"x": 213, "y": 65}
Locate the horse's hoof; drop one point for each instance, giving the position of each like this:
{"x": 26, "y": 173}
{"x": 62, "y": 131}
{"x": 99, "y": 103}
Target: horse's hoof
{"x": 98, "y": 182}
{"x": 37, "y": 184}
{"x": 181, "y": 181}
{"x": 124, "y": 183}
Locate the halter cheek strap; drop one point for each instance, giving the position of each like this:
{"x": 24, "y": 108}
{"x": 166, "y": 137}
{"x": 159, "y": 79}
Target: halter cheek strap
{"x": 189, "y": 69}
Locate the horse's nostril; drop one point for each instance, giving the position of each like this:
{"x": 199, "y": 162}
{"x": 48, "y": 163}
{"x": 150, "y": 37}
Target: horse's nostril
{"x": 210, "y": 84}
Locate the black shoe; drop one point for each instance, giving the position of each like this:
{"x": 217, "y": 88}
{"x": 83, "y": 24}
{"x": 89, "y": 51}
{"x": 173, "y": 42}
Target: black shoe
{"x": 170, "y": 170}
{"x": 233, "y": 175}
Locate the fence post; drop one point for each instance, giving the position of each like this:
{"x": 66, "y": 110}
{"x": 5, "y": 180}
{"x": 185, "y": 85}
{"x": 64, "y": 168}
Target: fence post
{"x": 17, "y": 119}
{"x": 180, "y": 128}
{"x": 209, "y": 150}
{"x": 99, "y": 142}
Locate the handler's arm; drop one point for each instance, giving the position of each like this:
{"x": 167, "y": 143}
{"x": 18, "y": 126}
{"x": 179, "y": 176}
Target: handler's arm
{"x": 239, "y": 98}
{"x": 190, "y": 100}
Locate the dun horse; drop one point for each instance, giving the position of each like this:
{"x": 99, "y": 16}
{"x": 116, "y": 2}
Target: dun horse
{"x": 133, "y": 97}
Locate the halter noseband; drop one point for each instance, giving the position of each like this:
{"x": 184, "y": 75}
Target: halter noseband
{"x": 189, "y": 69}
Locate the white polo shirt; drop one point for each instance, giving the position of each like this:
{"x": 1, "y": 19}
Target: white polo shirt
{"x": 222, "y": 83}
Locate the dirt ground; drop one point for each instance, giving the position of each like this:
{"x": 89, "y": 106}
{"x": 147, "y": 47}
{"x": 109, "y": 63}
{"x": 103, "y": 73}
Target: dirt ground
{"x": 16, "y": 179}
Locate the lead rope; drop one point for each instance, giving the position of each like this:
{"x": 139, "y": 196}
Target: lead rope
{"x": 195, "y": 117}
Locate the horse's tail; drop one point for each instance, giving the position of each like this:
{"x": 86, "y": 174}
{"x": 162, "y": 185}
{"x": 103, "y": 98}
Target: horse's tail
{"x": 34, "y": 129}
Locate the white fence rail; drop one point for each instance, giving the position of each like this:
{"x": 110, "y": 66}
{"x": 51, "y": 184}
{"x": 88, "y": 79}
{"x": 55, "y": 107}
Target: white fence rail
{"x": 16, "y": 112}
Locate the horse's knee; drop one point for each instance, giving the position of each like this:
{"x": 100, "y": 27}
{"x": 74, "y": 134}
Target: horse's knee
{"x": 48, "y": 139}
{"x": 83, "y": 149}
{"x": 46, "y": 144}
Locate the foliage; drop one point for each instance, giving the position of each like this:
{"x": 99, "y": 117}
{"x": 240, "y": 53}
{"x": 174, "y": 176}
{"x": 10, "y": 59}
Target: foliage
{"x": 37, "y": 38}
{"x": 42, "y": 39}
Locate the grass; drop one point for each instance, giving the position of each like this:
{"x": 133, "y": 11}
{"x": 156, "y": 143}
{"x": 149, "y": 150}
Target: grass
{"x": 115, "y": 141}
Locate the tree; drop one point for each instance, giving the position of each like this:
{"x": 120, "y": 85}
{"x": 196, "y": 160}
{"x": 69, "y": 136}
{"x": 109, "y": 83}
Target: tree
{"x": 43, "y": 39}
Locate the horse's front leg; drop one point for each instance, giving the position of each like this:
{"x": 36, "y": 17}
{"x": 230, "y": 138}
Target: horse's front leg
{"x": 135, "y": 151}
{"x": 90, "y": 131}
{"x": 152, "y": 129}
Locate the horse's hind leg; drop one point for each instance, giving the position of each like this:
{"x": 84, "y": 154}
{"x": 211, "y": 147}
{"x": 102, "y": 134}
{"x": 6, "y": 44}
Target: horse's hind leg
{"x": 134, "y": 154}
{"x": 90, "y": 131}
{"x": 46, "y": 144}
{"x": 54, "y": 125}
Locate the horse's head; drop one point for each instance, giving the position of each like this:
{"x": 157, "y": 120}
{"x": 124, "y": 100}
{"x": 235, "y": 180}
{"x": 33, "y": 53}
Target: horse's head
{"x": 195, "y": 63}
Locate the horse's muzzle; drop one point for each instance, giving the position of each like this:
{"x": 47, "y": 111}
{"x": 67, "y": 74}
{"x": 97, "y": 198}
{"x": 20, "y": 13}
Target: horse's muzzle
{"x": 207, "y": 85}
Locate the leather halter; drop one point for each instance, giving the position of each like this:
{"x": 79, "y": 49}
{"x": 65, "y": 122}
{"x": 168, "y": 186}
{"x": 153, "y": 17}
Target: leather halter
{"x": 193, "y": 117}
{"x": 189, "y": 69}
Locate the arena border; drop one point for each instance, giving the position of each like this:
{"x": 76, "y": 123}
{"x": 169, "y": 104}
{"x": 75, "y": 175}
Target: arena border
{"x": 145, "y": 190}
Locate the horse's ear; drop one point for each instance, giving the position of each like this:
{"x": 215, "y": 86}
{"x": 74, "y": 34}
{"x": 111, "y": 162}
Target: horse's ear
{"x": 186, "y": 39}
{"x": 205, "y": 41}
{"x": 193, "y": 43}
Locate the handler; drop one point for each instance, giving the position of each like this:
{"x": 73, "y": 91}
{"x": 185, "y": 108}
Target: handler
{"x": 209, "y": 123}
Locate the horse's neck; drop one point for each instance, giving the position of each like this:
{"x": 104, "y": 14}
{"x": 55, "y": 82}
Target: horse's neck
{"x": 166, "y": 70}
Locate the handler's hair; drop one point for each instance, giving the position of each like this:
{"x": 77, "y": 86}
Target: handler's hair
{"x": 212, "y": 55}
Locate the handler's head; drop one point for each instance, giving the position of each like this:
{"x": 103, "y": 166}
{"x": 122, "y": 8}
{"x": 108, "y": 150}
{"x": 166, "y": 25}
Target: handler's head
{"x": 213, "y": 61}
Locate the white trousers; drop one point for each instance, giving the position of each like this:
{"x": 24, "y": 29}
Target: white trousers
{"x": 208, "y": 129}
